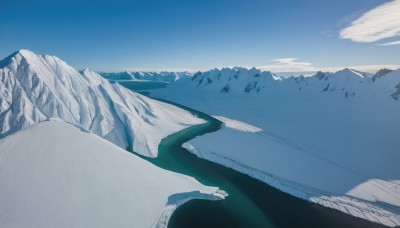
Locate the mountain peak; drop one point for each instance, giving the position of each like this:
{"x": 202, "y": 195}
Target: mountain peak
{"x": 39, "y": 87}
{"x": 349, "y": 72}
{"x": 17, "y": 56}
{"x": 86, "y": 70}
{"x": 7, "y": 60}
{"x": 380, "y": 73}
{"x": 25, "y": 52}
{"x": 38, "y": 63}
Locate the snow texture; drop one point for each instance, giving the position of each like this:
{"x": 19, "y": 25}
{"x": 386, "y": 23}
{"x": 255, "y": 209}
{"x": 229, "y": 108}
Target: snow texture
{"x": 237, "y": 125}
{"x": 34, "y": 88}
{"x": 332, "y": 138}
{"x": 54, "y": 174}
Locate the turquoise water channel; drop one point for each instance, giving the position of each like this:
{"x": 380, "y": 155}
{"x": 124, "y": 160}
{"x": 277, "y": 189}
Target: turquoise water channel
{"x": 251, "y": 203}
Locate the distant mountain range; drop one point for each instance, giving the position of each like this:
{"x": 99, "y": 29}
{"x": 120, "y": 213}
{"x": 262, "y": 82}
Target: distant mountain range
{"x": 238, "y": 79}
{"x": 151, "y": 76}
{"x": 348, "y": 83}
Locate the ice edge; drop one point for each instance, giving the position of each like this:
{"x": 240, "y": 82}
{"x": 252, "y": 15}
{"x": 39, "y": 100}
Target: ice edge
{"x": 346, "y": 204}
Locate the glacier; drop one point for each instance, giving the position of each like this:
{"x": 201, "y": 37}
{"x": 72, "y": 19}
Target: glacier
{"x": 34, "y": 88}
{"x": 331, "y": 138}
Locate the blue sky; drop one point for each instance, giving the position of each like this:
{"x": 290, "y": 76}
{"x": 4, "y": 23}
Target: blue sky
{"x": 184, "y": 34}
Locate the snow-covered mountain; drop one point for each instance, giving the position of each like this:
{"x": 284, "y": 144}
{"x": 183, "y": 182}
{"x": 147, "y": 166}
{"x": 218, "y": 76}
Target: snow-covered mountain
{"x": 380, "y": 73}
{"x": 148, "y": 76}
{"x": 331, "y": 138}
{"x": 34, "y": 88}
{"x": 114, "y": 76}
{"x": 228, "y": 80}
{"x": 54, "y": 174}
{"x": 347, "y": 82}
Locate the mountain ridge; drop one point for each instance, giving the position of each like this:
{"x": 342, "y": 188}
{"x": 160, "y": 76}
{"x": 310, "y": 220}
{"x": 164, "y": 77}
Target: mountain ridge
{"x": 37, "y": 87}
{"x": 346, "y": 82}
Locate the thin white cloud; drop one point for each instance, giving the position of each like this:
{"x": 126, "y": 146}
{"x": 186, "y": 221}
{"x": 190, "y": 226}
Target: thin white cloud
{"x": 287, "y": 64}
{"x": 327, "y": 32}
{"x": 376, "y": 24}
{"x": 134, "y": 69}
{"x": 390, "y": 43}
{"x": 292, "y": 65}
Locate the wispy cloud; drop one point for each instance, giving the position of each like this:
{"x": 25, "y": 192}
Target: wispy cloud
{"x": 138, "y": 69}
{"x": 376, "y": 24}
{"x": 292, "y": 65}
{"x": 327, "y": 32}
{"x": 390, "y": 43}
{"x": 287, "y": 65}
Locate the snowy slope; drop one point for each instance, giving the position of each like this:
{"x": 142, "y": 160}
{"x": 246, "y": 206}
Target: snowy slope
{"x": 34, "y": 88}
{"x": 331, "y": 138}
{"x": 54, "y": 174}
{"x": 148, "y": 76}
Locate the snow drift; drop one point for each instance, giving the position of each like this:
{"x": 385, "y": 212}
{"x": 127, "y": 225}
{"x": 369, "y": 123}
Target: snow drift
{"x": 34, "y": 88}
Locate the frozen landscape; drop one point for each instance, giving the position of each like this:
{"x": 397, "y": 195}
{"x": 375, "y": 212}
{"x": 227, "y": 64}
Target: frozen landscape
{"x": 34, "y": 88}
{"x": 55, "y": 174}
{"x": 145, "y": 76}
{"x": 200, "y": 114}
{"x": 54, "y": 125}
{"x": 338, "y": 133}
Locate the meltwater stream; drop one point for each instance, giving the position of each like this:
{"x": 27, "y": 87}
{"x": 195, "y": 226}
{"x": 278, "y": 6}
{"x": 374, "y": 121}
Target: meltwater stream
{"x": 250, "y": 203}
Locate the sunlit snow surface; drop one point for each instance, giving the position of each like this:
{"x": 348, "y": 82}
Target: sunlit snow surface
{"x": 34, "y": 88}
{"x": 332, "y": 138}
{"x": 237, "y": 125}
{"x": 54, "y": 174}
